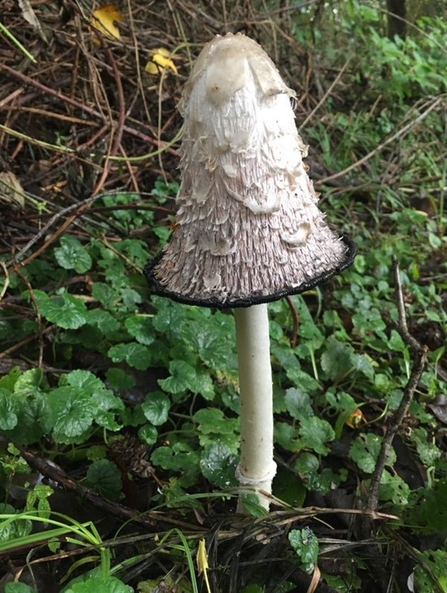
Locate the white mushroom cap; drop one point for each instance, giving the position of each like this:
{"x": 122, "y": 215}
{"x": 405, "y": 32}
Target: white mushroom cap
{"x": 248, "y": 229}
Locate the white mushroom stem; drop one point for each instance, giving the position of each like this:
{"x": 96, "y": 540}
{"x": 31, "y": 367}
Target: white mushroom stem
{"x": 256, "y": 468}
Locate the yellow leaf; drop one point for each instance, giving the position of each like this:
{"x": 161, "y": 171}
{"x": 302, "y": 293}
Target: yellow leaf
{"x": 104, "y": 19}
{"x": 356, "y": 419}
{"x": 202, "y": 563}
{"x": 161, "y": 60}
{"x": 11, "y": 192}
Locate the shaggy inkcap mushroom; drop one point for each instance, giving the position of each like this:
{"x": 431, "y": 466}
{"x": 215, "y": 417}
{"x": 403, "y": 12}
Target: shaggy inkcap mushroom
{"x": 248, "y": 229}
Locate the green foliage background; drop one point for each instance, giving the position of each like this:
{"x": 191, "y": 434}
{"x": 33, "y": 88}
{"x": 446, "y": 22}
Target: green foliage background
{"x": 116, "y": 360}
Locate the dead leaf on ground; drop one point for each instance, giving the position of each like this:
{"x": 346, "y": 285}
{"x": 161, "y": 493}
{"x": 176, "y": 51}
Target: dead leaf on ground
{"x": 104, "y": 19}
{"x": 160, "y": 61}
{"x": 11, "y": 191}
{"x": 30, "y": 17}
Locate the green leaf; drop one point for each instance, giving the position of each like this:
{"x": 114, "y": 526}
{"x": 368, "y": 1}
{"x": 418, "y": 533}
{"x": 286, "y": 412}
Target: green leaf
{"x": 289, "y": 488}
{"x": 72, "y": 412}
{"x": 106, "y": 295}
{"x": 99, "y": 585}
{"x": 18, "y": 588}
{"x": 148, "y": 433}
{"x": 66, "y": 311}
{"x": 286, "y": 436}
{"x": 119, "y": 379}
{"x": 305, "y": 543}
{"x": 71, "y": 255}
{"x": 365, "y": 451}
{"x": 140, "y": 327}
{"x": 103, "y": 320}
{"x": 8, "y": 381}
{"x": 32, "y": 419}
{"x": 179, "y": 457}
{"x": 316, "y": 478}
{"x": 336, "y": 359}
{"x": 136, "y": 355}
{"x": 183, "y": 378}
{"x": 218, "y": 464}
{"x": 29, "y": 382}
{"x": 298, "y": 404}
{"x": 8, "y": 417}
{"x": 104, "y": 477}
{"x": 314, "y": 433}
{"x": 13, "y": 529}
{"x": 156, "y": 407}
{"x": 103, "y": 399}
{"x": 213, "y": 424}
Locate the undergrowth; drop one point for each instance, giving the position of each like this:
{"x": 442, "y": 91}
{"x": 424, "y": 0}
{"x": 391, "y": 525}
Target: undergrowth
{"x": 137, "y": 396}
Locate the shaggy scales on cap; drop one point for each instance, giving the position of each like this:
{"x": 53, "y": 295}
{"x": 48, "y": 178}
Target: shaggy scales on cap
{"x": 248, "y": 229}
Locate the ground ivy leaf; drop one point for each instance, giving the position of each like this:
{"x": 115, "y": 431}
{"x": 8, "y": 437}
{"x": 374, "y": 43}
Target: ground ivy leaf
{"x": 103, "y": 320}
{"x": 213, "y": 424}
{"x": 8, "y": 417}
{"x": 204, "y": 385}
{"x": 317, "y": 479}
{"x": 218, "y": 464}
{"x": 72, "y": 412}
{"x": 148, "y": 433}
{"x": 305, "y": 543}
{"x": 99, "y": 585}
{"x": 179, "y": 457}
{"x": 33, "y": 420}
{"x": 363, "y": 365}
{"x": 29, "y": 382}
{"x": 106, "y": 295}
{"x": 298, "y": 404}
{"x": 72, "y": 255}
{"x": 104, "y": 477}
{"x": 119, "y": 379}
{"x": 18, "y": 588}
{"x": 156, "y": 408}
{"x": 140, "y": 327}
{"x": 365, "y": 451}
{"x": 66, "y": 310}
{"x": 8, "y": 381}
{"x": 286, "y": 436}
{"x": 336, "y": 359}
{"x": 314, "y": 433}
{"x": 103, "y": 398}
{"x": 183, "y": 377}
{"x": 169, "y": 318}
{"x": 136, "y": 355}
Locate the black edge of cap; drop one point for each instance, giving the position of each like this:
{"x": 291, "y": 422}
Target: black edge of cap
{"x": 351, "y": 251}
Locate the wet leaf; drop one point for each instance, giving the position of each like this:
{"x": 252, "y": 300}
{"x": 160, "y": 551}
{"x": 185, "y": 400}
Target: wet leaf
{"x": 104, "y": 477}
{"x": 11, "y": 191}
{"x": 8, "y": 417}
{"x": 136, "y": 355}
{"x": 99, "y": 585}
{"x": 156, "y": 408}
{"x": 218, "y": 465}
{"x": 305, "y": 544}
{"x": 140, "y": 327}
{"x": 104, "y": 19}
{"x": 66, "y": 311}
{"x": 72, "y": 255}
{"x": 160, "y": 61}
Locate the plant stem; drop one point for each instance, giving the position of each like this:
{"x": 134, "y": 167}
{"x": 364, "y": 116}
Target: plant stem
{"x": 256, "y": 468}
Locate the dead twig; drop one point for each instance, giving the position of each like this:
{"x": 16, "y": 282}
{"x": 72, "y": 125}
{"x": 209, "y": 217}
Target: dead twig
{"x": 419, "y": 361}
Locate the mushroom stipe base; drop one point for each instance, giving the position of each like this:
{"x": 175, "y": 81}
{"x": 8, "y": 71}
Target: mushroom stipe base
{"x": 234, "y": 302}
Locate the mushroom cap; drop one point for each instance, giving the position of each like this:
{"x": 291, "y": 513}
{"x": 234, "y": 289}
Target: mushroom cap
{"x": 248, "y": 229}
